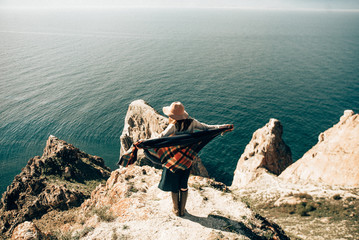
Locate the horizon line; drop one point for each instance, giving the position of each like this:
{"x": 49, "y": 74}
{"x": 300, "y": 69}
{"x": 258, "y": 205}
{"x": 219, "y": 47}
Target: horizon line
{"x": 114, "y": 7}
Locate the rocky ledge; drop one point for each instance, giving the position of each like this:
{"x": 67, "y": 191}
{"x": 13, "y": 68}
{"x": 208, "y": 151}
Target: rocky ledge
{"x": 130, "y": 206}
{"x": 138, "y": 209}
{"x": 62, "y": 178}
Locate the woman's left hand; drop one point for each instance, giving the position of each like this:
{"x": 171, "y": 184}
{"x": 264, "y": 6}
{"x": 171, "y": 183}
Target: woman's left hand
{"x": 229, "y": 126}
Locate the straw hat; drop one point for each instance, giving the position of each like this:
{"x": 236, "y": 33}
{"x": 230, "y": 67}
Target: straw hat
{"x": 175, "y": 111}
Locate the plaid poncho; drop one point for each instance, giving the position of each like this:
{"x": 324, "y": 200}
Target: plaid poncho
{"x": 174, "y": 152}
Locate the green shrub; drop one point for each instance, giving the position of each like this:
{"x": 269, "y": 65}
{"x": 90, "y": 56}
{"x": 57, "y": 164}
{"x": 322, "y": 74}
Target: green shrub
{"x": 197, "y": 186}
{"x": 337, "y": 197}
{"x": 104, "y": 214}
{"x": 303, "y": 196}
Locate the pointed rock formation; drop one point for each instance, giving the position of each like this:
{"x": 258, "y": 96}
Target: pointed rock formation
{"x": 144, "y": 122}
{"x": 266, "y": 152}
{"x": 334, "y": 160}
{"x": 141, "y": 122}
{"x": 56, "y": 181}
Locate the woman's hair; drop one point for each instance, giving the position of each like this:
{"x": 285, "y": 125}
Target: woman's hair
{"x": 182, "y": 125}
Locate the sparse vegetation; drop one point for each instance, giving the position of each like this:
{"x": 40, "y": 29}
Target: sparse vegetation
{"x": 246, "y": 201}
{"x": 71, "y": 235}
{"x": 64, "y": 235}
{"x": 304, "y": 209}
{"x": 318, "y": 208}
{"x": 268, "y": 235}
{"x": 131, "y": 189}
{"x": 85, "y": 231}
{"x": 330, "y": 210}
{"x": 219, "y": 186}
{"x": 337, "y": 197}
{"x": 197, "y": 186}
{"x": 114, "y": 235}
{"x": 86, "y": 187}
{"x": 104, "y": 214}
{"x": 128, "y": 177}
{"x": 211, "y": 183}
{"x": 303, "y": 196}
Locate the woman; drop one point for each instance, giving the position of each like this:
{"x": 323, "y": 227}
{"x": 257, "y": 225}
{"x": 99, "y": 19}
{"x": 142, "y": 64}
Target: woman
{"x": 177, "y": 182}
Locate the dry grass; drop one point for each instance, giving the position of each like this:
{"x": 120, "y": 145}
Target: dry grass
{"x": 104, "y": 214}
{"x": 313, "y": 216}
{"x": 336, "y": 209}
{"x": 86, "y": 187}
{"x": 71, "y": 235}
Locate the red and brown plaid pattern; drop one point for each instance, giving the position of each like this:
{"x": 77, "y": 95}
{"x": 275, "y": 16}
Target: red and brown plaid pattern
{"x": 176, "y": 157}
{"x": 170, "y": 154}
{"x": 130, "y": 156}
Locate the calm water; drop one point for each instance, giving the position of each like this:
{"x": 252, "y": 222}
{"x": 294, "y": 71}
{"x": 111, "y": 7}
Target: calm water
{"x": 72, "y": 74}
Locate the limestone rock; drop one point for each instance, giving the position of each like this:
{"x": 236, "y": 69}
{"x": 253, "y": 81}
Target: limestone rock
{"x": 144, "y": 122}
{"x": 334, "y": 160}
{"x": 141, "y": 210}
{"x": 266, "y": 151}
{"x": 47, "y": 183}
{"x": 62, "y": 158}
{"x": 27, "y": 231}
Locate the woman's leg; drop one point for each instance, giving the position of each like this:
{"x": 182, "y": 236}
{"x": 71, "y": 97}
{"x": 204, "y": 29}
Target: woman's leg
{"x": 183, "y": 201}
{"x": 175, "y": 201}
{"x": 184, "y": 191}
{"x": 170, "y": 182}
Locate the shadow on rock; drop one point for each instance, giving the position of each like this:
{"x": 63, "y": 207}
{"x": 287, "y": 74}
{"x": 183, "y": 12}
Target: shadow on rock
{"x": 223, "y": 224}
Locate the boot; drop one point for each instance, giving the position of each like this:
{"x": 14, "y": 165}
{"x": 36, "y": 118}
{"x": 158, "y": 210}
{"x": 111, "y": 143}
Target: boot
{"x": 183, "y": 200}
{"x": 175, "y": 201}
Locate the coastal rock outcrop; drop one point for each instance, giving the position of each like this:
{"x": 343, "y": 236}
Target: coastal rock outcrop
{"x": 143, "y": 122}
{"x": 266, "y": 152}
{"x": 58, "y": 180}
{"x": 142, "y": 211}
{"x": 27, "y": 231}
{"x": 334, "y": 160}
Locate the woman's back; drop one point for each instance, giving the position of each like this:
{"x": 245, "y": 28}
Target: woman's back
{"x": 188, "y": 125}
{"x": 183, "y": 126}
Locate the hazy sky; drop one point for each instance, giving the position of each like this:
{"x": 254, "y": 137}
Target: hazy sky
{"x": 262, "y": 4}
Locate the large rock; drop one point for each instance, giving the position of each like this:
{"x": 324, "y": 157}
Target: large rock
{"x": 334, "y": 160}
{"x": 55, "y": 181}
{"x": 143, "y": 211}
{"x": 266, "y": 152}
{"x": 27, "y": 231}
{"x": 144, "y": 122}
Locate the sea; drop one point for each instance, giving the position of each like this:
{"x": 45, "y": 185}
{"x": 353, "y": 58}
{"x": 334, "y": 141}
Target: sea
{"x": 72, "y": 73}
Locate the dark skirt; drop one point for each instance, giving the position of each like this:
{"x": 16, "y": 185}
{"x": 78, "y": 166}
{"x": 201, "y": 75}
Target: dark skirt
{"x": 173, "y": 182}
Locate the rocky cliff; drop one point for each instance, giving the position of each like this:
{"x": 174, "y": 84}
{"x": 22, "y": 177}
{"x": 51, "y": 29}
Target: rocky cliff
{"x": 58, "y": 180}
{"x": 306, "y": 199}
{"x": 144, "y": 122}
{"x": 334, "y": 160}
{"x": 265, "y": 153}
{"x": 130, "y": 206}
{"x": 46, "y": 201}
